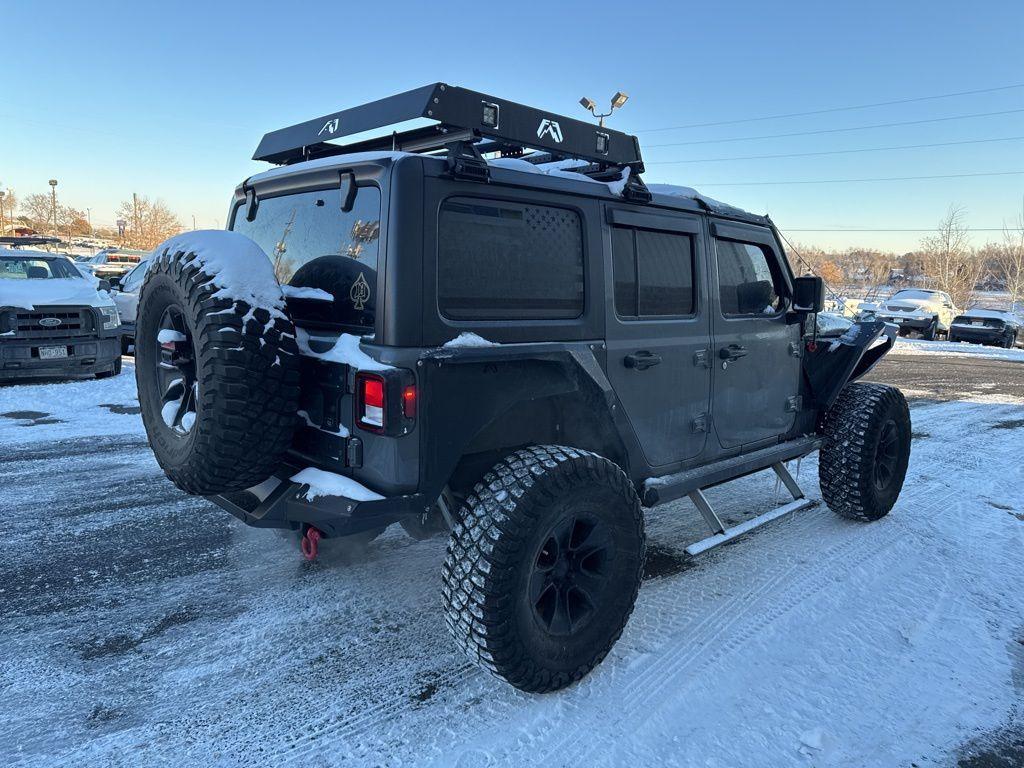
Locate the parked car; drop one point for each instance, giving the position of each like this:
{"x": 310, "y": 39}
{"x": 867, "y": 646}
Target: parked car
{"x": 114, "y": 262}
{"x": 125, "y": 292}
{"x": 54, "y": 321}
{"x": 519, "y": 354}
{"x": 919, "y": 310}
{"x": 987, "y": 326}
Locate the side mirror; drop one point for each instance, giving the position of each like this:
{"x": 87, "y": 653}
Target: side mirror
{"x": 808, "y": 294}
{"x": 105, "y": 285}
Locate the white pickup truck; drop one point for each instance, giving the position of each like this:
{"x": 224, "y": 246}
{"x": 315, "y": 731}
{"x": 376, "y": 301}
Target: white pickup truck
{"x": 54, "y": 320}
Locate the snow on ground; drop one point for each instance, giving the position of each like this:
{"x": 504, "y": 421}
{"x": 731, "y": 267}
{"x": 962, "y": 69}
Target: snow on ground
{"x": 142, "y": 626}
{"x": 921, "y": 347}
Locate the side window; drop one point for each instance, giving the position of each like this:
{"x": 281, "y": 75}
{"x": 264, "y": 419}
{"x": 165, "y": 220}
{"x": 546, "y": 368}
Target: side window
{"x": 748, "y": 280}
{"x": 134, "y": 278}
{"x": 508, "y": 261}
{"x": 653, "y": 273}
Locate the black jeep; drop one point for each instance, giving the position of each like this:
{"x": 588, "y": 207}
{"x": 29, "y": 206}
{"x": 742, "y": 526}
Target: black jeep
{"x": 491, "y": 325}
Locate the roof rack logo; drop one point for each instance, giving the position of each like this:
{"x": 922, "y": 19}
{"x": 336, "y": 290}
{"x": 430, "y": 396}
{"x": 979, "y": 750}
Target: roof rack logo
{"x": 550, "y": 128}
{"x": 330, "y": 127}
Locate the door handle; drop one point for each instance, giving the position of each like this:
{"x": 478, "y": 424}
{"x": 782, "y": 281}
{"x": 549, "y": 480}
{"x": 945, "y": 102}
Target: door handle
{"x": 641, "y": 360}
{"x": 732, "y": 352}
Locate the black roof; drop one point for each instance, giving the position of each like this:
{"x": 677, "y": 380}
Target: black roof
{"x": 491, "y": 123}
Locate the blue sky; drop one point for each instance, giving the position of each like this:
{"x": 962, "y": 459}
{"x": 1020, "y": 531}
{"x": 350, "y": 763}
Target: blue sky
{"x": 170, "y": 101}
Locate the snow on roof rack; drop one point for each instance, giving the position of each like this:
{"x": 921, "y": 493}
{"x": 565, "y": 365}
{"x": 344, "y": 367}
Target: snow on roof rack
{"x": 465, "y": 120}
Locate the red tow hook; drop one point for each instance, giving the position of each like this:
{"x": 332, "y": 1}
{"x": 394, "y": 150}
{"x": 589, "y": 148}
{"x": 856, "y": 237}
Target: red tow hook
{"x": 310, "y": 543}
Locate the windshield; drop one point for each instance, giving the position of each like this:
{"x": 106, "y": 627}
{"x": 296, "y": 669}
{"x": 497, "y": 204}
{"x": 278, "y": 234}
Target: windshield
{"x": 36, "y": 269}
{"x": 313, "y": 243}
{"x": 918, "y": 295}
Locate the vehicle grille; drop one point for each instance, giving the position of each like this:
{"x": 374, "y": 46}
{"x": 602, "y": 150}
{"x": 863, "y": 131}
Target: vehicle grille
{"x": 74, "y": 321}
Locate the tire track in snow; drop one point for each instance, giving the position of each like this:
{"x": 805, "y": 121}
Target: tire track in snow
{"x": 346, "y": 730}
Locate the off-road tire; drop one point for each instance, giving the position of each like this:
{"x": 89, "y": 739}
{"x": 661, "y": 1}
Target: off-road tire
{"x": 246, "y": 368}
{"x": 494, "y": 550}
{"x": 854, "y": 427}
{"x": 115, "y": 370}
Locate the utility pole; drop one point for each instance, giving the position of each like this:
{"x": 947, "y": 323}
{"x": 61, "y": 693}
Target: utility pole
{"x": 135, "y": 219}
{"x": 53, "y": 204}
{"x": 2, "y": 228}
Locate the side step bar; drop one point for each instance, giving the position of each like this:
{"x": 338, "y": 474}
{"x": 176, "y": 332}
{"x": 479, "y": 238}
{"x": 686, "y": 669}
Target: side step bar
{"x": 659, "y": 490}
{"x": 720, "y": 534}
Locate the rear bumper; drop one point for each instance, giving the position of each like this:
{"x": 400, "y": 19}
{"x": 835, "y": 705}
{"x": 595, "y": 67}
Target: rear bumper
{"x": 284, "y": 506}
{"x": 19, "y": 358}
{"x": 910, "y": 322}
{"x": 977, "y": 335}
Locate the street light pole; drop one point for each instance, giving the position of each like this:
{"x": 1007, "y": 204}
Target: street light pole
{"x": 88, "y": 214}
{"x": 2, "y": 228}
{"x": 53, "y": 204}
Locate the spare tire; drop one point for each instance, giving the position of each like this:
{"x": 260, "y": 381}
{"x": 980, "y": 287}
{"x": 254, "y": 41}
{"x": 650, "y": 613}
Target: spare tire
{"x": 216, "y": 363}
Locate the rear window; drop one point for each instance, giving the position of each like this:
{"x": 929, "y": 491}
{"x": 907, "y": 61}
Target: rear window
{"x": 313, "y": 243}
{"x": 508, "y": 261}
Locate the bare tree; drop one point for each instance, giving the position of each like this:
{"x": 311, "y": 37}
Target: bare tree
{"x": 947, "y": 257}
{"x": 150, "y": 222}
{"x": 1009, "y": 256}
{"x": 38, "y": 209}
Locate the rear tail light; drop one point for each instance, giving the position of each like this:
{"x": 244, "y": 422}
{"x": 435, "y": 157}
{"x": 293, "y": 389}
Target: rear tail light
{"x": 385, "y": 402}
{"x": 371, "y": 402}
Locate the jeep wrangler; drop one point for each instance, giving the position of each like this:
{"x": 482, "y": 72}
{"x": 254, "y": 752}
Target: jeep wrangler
{"x": 491, "y": 327}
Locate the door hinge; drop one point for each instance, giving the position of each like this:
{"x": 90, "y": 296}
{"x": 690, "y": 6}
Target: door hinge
{"x": 701, "y": 359}
{"x": 794, "y": 403}
{"x": 699, "y": 424}
{"x": 796, "y": 349}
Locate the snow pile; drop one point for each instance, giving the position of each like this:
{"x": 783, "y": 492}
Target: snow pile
{"x": 167, "y": 336}
{"x": 562, "y": 169}
{"x": 27, "y": 294}
{"x": 237, "y": 266}
{"x": 829, "y": 324}
{"x": 302, "y": 292}
{"x": 345, "y": 350}
{"x": 959, "y": 348}
{"x": 467, "y": 339}
{"x": 323, "y": 483}
{"x": 717, "y": 206}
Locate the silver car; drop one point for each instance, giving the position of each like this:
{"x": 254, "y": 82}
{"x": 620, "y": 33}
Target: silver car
{"x": 125, "y": 291}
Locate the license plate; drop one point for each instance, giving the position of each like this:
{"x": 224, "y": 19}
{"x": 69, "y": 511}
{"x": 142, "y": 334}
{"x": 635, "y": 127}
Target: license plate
{"x": 49, "y": 353}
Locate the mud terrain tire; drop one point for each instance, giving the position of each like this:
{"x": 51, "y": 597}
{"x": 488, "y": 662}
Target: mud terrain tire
{"x": 244, "y": 364}
{"x": 544, "y": 567}
{"x": 864, "y": 457}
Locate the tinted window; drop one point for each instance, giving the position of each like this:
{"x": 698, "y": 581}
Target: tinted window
{"x": 747, "y": 283}
{"x": 313, "y": 243}
{"x": 653, "y": 273}
{"x": 498, "y": 260}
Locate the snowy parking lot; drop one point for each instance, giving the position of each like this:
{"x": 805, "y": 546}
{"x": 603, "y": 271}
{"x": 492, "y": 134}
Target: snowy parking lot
{"x": 142, "y": 626}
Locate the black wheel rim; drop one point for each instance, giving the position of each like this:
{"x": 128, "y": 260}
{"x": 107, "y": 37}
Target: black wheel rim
{"x": 571, "y": 574}
{"x": 886, "y": 455}
{"x": 176, "y": 372}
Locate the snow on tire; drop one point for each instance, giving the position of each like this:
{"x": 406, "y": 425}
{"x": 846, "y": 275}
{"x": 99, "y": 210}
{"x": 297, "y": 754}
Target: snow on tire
{"x": 866, "y": 450}
{"x": 216, "y": 363}
{"x": 544, "y": 567}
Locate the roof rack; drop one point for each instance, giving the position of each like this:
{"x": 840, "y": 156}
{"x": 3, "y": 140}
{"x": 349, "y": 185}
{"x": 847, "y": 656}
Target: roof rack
{"x": 467, "y": 124}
